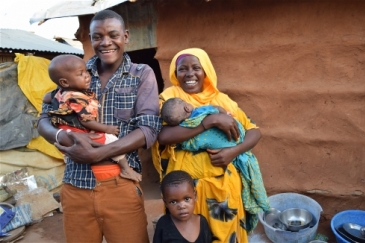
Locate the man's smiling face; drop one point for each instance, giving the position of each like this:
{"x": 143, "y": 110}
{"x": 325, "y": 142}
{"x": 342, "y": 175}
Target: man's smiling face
{"x": 108, "y": 38}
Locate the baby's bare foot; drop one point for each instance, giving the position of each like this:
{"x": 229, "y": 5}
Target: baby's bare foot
{"x": 131, "y": 174}
{"x": 127, "y": 172}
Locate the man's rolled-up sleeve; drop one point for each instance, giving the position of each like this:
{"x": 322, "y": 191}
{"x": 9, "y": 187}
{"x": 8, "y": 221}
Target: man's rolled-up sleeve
{"x": 147, "y": 107}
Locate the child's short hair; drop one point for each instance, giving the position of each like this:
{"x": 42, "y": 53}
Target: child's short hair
{"x": 174, "y": 178}
{"x": 168, "y": 111}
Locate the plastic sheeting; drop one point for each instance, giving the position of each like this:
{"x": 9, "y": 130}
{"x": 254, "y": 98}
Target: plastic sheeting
{"x": 33, "y": 78}
{"x": 48, "y": 171}
{"x": 18, "y": 116}
{"x": 22, "y": 87}
{"x": 34, "y": 81}
{"x": 23, "y": 84}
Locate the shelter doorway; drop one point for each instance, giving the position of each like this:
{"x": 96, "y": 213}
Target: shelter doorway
{"x": 147, "y": 56}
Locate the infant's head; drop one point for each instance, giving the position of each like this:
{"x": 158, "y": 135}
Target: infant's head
{"x": 175, "y": 110}
{"x": 69, "y": 72}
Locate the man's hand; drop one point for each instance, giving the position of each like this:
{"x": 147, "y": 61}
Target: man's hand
{"x": 83, "y": 149}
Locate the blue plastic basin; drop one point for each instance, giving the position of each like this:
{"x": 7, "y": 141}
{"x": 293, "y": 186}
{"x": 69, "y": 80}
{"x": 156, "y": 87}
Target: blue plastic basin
{"x": 348, "y": 216}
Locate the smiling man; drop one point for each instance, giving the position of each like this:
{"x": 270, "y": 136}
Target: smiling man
{"x": 111, "y": 207}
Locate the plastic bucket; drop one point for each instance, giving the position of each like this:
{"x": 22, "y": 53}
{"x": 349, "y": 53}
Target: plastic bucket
{"x": 348, "y": 216}
{"x": 284, "y": 201}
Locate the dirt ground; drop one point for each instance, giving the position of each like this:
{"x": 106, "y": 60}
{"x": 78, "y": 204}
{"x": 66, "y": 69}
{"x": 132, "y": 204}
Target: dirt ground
{"x": 50, "y": 230}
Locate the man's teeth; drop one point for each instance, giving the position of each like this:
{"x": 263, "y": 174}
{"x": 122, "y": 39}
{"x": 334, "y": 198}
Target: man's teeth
{"x": 108, "y": 51}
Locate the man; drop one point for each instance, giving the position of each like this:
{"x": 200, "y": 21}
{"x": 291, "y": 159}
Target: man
{"x": 128, "y": 94}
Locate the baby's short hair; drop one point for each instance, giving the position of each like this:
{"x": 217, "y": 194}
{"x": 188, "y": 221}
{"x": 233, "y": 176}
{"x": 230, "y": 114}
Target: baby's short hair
{"x": 168, "y": 111}
{"x": 61, "y": 64}
{"x": 174, "y": 178}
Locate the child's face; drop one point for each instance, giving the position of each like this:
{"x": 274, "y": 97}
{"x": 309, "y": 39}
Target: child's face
{"x": 184, "y": 109}
{"x": 79, "y": 77}
{"x": 180, "y": 201}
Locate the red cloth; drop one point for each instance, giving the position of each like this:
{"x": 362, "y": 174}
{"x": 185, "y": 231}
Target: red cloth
{"x": 74, "y": 129}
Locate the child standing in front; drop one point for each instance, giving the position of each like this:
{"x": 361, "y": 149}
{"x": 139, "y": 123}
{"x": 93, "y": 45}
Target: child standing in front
{"x": 179, "y": 224}
{"x": 76, "y": 109}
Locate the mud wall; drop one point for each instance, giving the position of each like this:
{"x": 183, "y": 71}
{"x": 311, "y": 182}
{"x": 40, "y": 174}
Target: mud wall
{"x": 298, "y": 69}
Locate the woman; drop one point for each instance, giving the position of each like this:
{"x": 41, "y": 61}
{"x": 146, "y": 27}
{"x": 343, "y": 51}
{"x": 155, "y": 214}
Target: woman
{"x": 218, "y": 183}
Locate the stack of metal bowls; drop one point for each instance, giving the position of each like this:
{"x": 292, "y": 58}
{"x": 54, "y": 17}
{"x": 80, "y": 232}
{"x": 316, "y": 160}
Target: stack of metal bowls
{"x": 296, "y": 219}
{"x": 293, "y": 219}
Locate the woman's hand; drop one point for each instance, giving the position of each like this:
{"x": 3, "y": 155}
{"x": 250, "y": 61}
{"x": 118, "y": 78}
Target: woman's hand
{"x": 224, "y": 122}
{"x": 180, "y": 134}
{"x": 221, "y": 157}
{"x": 83, "y": 149}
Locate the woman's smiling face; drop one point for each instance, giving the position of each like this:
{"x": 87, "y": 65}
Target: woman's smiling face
{"x": 190, "y": 74}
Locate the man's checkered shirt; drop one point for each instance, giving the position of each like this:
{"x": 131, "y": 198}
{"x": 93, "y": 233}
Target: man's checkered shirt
{"x": 118, "y": 105}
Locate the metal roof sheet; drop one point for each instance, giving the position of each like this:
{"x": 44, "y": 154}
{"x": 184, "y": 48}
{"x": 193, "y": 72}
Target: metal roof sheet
{"x": 23, "y": 40}
{"x": 73, "y": 8}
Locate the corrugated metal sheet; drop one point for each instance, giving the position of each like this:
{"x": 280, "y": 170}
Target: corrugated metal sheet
{"x": 23, "y": 40}
{"x": 140, "y": 17}
{"x": 73, "y": 8}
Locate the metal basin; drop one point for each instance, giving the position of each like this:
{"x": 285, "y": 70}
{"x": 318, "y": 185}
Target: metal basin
{"x": 354, "y": 232}
{"x": 271, "y": 217}
{"x": 295, "y": 219}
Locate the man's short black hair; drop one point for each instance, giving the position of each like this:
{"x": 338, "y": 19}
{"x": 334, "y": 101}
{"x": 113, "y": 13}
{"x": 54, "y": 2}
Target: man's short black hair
{"x": 108, "y": 14}
{"x": 174, "y": 178}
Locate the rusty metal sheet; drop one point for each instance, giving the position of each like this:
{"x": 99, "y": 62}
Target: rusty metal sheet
{"x": 140, "y": 18}
{"x": 12, "y": 39}
{"x": 73, "y": 8}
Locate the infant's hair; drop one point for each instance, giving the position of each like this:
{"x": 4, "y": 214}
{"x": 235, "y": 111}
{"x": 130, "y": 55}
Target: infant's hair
{"x": 168, "y": 111}
{"x": 59, "y": 65}
{"x": 174, "y": 178}
{"x": 108, "y": 14}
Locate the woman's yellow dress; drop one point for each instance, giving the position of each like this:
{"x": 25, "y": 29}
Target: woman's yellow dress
{"x": 218, "y": 190}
